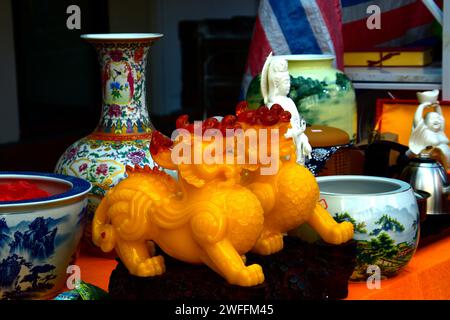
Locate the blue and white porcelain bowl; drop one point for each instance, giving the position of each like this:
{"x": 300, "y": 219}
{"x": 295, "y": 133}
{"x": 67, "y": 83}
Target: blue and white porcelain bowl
{"x": 39, "y": 237}
{"x": 385, "y": 216}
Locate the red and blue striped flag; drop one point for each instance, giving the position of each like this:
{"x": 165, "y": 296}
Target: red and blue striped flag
{"x": 327, "y": 26}
{"x": 294, "y": 27}
{"x": 404, "y": 23}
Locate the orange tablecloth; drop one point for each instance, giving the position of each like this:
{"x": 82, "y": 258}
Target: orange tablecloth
{"x": 426, "y": 277}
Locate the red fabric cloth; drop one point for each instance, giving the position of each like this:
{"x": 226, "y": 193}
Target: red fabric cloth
{"x": 21, "y": 190}
{"x": 403, "y": 23}
{"x": 332, "y": 14}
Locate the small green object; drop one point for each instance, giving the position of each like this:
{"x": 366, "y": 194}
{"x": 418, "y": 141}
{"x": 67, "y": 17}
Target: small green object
{"x": 68, "y": 295}
{"x": 84, "y": 291}
{"x": 254, "y": 97}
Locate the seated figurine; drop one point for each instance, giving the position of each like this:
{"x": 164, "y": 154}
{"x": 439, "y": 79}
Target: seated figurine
{"x": 275, "y": 87}
{"x": 303, "y": 147}
{"x": 428, "y": 131}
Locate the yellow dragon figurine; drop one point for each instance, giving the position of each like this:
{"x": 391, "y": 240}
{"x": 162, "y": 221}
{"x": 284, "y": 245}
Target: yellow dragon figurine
{"x": 214, "y": 213}
{"x": 290, "y": 197}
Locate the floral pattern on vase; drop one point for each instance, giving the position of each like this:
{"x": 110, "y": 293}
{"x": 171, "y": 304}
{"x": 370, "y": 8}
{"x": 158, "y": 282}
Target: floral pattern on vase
{"x": 123, "y": 134}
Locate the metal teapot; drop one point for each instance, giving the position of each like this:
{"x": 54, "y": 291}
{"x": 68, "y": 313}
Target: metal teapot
{"x": 425, "y": 173}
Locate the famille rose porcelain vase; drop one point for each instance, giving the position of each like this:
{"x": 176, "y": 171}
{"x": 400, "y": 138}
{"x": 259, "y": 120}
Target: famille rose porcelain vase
{"x": 123, "y": 134}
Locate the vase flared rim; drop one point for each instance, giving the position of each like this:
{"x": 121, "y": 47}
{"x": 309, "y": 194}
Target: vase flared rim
{"x": 357, "y": 186}
{"x": 121, "y": 36}
{"x": 307, "y": 57}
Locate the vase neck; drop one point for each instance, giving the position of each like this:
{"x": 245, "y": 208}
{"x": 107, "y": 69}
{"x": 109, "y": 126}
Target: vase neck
{"x": 308, "y": 64}
{"x": 124, "y": 108}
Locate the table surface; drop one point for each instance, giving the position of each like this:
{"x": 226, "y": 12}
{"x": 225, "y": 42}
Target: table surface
{"x": 427, "y": 277}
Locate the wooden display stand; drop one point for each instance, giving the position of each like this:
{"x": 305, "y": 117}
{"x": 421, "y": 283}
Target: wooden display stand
{"x": 299, "y": 271}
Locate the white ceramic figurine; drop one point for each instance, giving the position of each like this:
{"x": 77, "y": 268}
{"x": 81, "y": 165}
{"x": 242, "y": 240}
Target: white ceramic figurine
{"x": 428, "y": 131}
{"x": 275, "y": 86}
{"x": 301, "y": 141}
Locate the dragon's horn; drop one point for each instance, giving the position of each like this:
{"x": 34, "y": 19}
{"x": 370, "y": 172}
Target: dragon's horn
{"x": 137, "y": 169}
{"x": 160, "y": 148}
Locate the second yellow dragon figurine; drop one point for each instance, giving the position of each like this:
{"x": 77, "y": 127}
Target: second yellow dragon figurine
{"x": 215, "y": 213}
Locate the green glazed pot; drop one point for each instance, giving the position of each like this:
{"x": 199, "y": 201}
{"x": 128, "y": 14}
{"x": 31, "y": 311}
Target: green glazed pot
{"x": 323, "y": 94}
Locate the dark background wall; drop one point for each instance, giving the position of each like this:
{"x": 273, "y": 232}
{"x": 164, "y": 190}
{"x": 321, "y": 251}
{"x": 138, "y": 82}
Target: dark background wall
{"x": 57, "y": 76}
{"x": 50, "y": 81}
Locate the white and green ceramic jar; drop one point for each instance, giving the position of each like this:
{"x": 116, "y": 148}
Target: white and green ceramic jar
{"x": 323, "y": 94}
{"x": 385, "y": 216}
